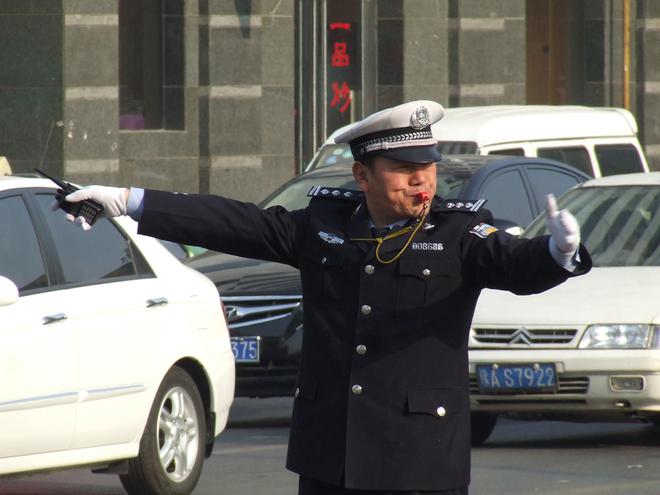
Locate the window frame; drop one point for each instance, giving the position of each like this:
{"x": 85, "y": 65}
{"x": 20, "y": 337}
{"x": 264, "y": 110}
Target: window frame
{"x": 23, "y": 193}
{"x": 49, "y": 255}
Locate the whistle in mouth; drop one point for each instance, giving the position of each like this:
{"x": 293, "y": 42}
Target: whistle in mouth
{"x": 422, "y": 196}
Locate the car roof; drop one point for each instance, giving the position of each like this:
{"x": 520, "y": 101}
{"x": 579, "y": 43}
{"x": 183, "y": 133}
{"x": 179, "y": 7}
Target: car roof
{"x": 18, "y": 181}
{"x": 450, "y": 164}
{"x": 640, "y": 179}
{"x": 499, "y": 124}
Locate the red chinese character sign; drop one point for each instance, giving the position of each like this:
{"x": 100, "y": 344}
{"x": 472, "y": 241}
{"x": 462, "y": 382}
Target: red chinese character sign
{"x": 341, "y": 96}
{"x": 343, "y": 64}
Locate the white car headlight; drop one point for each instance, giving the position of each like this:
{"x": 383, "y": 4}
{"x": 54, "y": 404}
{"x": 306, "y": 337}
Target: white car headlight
{"x": 616, "y": 337}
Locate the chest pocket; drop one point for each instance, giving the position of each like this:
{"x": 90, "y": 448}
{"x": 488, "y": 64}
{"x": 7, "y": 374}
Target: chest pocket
{"x": 422, "y": 281}
{"x": 326, "y": 267}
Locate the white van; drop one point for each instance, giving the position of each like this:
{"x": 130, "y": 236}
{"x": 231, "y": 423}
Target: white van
{"x": 598, "y": 141}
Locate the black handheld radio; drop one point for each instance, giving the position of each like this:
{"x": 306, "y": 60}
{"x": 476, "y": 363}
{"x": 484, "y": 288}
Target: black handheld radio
{"x": 89, "y": 209}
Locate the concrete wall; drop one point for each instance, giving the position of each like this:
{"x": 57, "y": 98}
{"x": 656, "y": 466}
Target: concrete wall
{"x": 648, "y": 74}
{"x": 60, "y": 79}
{"x": 30, "y": 84}
{"x": 247, "y": 96}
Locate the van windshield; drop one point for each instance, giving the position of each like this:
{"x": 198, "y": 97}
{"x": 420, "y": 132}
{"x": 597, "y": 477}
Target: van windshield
{"x": 331, "y": 154}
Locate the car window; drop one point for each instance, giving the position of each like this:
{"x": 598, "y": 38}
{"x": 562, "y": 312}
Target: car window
{"x": 509, "y": 152}
{"x": 20, "y": 255}
{"x": 620, "y": 226}
{"x": 294, "y": 195}
{"x": 175, "y": 248}
{"x": 547, "y": 180}
{"x": 507, "y": 197}
{"x": 576, "y": 156}
{"x": 101, "y": 253}
{"x": 618, "y": 159}
{"x": 457, "y": 147}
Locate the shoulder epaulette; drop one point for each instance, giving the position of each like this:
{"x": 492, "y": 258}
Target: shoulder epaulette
{"x": 462, "y": 205}
{"x": 335, "y": 193}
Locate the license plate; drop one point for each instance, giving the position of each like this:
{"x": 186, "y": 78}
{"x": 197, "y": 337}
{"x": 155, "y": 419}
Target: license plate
{"x": 517, "y": 378}
{"x": 246, "y": 349}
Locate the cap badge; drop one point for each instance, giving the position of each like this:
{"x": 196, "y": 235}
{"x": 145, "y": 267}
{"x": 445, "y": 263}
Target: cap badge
{"x": 419, "y": 118}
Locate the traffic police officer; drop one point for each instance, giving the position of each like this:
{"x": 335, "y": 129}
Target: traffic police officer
{"x": 390, "y": 279}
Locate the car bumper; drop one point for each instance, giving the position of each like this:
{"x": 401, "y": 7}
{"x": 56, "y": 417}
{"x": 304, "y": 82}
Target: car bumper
{"x": 585, "y": 380}
{"x": 222, "y": 373}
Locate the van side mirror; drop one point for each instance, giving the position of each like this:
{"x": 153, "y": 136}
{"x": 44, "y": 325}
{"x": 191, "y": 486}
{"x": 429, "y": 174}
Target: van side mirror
{"x": 508, "y": 226}
{"x": 8, "y": 291}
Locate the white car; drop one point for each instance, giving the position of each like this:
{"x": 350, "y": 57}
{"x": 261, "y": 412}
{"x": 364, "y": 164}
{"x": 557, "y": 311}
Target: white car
{"x": 112, "y": 353}
{"x": 588, "y": 349}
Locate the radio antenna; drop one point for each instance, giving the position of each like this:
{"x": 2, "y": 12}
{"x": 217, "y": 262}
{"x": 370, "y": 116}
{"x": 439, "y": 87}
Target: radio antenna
{"x": 43, "y": 154}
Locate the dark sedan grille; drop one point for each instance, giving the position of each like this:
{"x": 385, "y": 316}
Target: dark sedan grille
{"x": 543, "y": 337}
{"x": 252, "y": 310}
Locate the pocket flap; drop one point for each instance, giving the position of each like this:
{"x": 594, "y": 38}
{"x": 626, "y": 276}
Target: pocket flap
{"x": 437, "y": 401}
{"x": 326, "y": 257}
{"x": 306, "y": 388}
{"x": 424, "y": 268}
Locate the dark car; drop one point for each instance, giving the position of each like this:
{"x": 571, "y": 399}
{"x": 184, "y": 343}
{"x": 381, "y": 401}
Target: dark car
{"x": 263, "y": 300}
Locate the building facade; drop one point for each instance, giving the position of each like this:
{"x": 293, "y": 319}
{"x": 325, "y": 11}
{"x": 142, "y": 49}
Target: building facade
{"x": 234, "y": 96}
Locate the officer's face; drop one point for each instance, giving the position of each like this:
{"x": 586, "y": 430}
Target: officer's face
{"x": 390, "y": 187}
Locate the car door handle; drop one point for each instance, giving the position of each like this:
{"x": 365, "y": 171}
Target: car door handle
{"x": 53, "y": 318}
{"x": 157, "y": 301}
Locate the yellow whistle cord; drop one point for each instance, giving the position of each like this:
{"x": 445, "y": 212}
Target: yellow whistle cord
{"x": 398, "y": 233}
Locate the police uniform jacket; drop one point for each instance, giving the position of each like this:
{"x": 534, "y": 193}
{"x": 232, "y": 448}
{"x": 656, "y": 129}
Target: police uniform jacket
{"x": 382, "y": 401}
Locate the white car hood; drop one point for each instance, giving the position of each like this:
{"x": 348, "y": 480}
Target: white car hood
{"x": 604, "y": 295}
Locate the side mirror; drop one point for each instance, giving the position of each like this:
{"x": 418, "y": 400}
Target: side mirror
{"x": 8, "y": 291}
{"x": 508, "y": 226}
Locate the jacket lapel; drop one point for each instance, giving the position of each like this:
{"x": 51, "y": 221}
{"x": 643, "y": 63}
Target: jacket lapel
{"x": 358, "y": 228}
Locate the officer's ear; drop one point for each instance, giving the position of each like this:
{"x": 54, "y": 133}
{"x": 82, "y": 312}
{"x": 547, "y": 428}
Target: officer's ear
{"x": 361, "y": 175}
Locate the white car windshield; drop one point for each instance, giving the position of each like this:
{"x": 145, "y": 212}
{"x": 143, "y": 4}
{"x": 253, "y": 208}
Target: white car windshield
{"x": 620, "y": 226}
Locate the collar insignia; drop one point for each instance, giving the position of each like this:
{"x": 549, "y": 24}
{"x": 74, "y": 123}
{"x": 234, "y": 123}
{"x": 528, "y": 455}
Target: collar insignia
{"x": 427, "y": 226}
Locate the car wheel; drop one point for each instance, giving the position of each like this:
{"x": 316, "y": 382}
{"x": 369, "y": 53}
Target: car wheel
{"x": 172, "y": 446}
{"x": 482, "y": 425}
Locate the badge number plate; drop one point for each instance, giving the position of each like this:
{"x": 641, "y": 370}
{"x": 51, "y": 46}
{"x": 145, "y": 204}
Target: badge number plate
{"x": 246, "y": 349}
{"x": 517, "y": 378}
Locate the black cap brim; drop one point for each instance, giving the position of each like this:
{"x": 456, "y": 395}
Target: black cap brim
{"x": 412, "y": 154}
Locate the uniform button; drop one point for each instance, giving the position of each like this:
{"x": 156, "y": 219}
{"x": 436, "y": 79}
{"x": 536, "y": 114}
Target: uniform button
{"x": 426, "y": 272}
{"x": 356, "y": 389}
{"x": 369, "y": 269}
{"x": 365, "y": 309}
{"x": 441, "y": 411}
{"x": 361, "y": 350}
{"x": 297, "y": 392}
{"x": 324, "y": 259}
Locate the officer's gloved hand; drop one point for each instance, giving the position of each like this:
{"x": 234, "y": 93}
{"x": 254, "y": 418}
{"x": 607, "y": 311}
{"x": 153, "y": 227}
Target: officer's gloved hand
{"x": 113, "y": 199}
{"x": 563, "y": 227}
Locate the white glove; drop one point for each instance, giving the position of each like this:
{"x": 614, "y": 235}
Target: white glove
{"x": 113, "y": 199}
{"x": 563, "y": 227}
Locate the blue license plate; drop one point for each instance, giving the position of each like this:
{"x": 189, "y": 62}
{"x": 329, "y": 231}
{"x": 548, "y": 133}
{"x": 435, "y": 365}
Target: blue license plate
{"x": 246, "y": 349}
{"x": 517, "y": 378}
